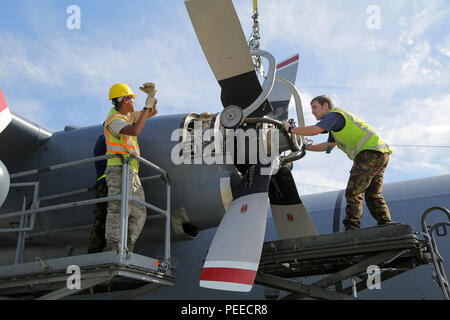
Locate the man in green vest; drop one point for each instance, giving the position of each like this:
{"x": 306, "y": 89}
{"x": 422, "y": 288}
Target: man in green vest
{"x": 362, "y": 145}
{"x": 121, "y": 129}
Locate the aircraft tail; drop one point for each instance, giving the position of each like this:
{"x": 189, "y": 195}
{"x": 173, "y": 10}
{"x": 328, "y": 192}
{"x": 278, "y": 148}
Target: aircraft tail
{"x": 281, "y": 96}
{"x": 5, "y": 119}
{"x": 5, "y": 115}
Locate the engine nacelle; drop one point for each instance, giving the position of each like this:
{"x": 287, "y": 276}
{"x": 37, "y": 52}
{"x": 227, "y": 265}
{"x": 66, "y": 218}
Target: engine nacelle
{"x": 4, "y": 182}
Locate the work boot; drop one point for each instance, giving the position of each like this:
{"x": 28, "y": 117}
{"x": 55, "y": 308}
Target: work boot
{"x": 351, "y": 225}
{"x": 388, "y": 223}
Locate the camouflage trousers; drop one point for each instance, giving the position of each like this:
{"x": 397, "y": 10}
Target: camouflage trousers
{"x": 366, "y": 178}
{"x": 97, "y": 241}
{"x": 137, "y": 213}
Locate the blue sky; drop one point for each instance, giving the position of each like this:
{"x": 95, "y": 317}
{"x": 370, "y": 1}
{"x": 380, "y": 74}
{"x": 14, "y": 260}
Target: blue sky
{"x": 397, "y": 78}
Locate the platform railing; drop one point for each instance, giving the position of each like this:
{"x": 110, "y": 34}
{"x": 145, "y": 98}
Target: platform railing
{"x": 438, "y": 261}
{"x": 124, "y": 197}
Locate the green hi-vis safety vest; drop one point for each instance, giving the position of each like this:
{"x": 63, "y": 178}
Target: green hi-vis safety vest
{"x": 357, "y": 136}
{"x": 124, "y": 145}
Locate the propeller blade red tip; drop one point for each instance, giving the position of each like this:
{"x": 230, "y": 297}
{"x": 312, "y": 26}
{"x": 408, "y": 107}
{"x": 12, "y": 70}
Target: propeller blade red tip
{"x": 228, "y": 275}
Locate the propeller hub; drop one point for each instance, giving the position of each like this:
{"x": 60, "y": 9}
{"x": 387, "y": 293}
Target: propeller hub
{"x": 232, "y": 117}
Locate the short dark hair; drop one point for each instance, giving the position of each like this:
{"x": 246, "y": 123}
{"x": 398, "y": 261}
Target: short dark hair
{"x": 117, "y": 103}
{"x": 322, "y": 100}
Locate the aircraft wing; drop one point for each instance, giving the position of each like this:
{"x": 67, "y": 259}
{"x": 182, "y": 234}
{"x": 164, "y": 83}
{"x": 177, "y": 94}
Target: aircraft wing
{"x": 18, "y": 137}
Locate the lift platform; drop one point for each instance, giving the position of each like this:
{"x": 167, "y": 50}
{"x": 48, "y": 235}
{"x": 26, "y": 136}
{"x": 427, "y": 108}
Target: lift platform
{"x": 394, "y": 249}
{"x": 100, "y": 272}
{"x": 111, "y": 271}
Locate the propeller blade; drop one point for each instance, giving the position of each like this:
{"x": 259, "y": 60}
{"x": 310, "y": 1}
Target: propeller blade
{"x": 290, "y": 215}
{"x": 222, "y": 39}
{"x": 5, "y": 115}
{"x": 233, "y": 257}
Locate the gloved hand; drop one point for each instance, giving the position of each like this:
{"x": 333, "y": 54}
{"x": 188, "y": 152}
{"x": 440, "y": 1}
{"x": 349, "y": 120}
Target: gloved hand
{"x": 150, "y": 90}
{"x": 150, "y": 103}
{"x": 150, "y": 112}
{"x": 154, "y": 111}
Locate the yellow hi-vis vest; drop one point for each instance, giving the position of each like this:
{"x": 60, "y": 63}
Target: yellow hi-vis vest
{"x": 357, "y": 136}
{"x": 124, "y": 145}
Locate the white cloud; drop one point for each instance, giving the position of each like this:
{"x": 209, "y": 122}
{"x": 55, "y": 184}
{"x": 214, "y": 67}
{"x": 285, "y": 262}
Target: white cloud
{"x": 422, "y": 122}
{"x": 90, "y": 65}
{"x": 445, "y": 51}
{"x": 424, "y": 14}
{"x": 16, "y": 61}
{"x": 394, "y": 57}
{"x": 415, "y": 58}
{"x": 389, "y": 77}
{"x": 444, "y": 47}
{"x": 31, "y": 110}
{"x": 319, "y": 172}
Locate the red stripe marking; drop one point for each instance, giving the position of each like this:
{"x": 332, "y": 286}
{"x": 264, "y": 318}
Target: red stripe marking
{"x": 285, "y": 63}
{"x": 228, "y": 275}
{"x": 3, "y": 104}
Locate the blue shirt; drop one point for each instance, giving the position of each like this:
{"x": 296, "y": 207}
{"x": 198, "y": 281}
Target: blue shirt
{"x": 100, "y": 150}
{"x": 333, "y": 121}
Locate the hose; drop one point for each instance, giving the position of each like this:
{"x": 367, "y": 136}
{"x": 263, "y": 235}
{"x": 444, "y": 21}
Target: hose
{"x": 279, "y": 126}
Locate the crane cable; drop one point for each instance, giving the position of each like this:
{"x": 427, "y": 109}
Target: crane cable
{"x": 254, "y": 40}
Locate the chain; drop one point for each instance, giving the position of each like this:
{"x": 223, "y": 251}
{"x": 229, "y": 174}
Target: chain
{"x": 254, "y": 40}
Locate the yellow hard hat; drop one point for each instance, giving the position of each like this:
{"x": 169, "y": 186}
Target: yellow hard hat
{"x": 120, "y": 90}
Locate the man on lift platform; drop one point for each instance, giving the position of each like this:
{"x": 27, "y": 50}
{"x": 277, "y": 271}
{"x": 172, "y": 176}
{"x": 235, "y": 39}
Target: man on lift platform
{"x": 121, "y": 129}
{"x": 362, "y": 145}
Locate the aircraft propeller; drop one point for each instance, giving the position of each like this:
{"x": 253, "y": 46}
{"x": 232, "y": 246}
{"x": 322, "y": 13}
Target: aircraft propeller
{"x": 233, "y": 257}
